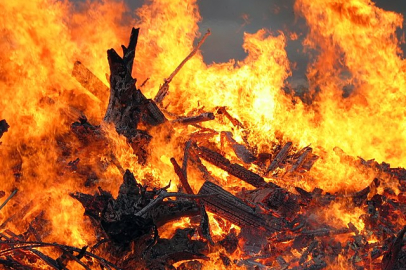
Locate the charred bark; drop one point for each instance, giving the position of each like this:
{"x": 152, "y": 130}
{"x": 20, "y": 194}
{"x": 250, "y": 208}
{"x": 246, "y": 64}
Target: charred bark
{"x": 235, "y": 210}
{"x": 127, "y": 105}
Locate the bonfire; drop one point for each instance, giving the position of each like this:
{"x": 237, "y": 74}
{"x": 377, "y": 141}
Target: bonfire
{"x": 148, "y": 158}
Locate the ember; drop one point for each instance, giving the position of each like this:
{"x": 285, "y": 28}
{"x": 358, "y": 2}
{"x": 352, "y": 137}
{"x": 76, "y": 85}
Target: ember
{"x": 211, "y": 168}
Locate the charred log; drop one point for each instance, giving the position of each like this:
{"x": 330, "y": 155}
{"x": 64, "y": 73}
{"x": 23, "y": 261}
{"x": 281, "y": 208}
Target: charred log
{"x": 232, "y": 168}
{"x": 235, "y": 210}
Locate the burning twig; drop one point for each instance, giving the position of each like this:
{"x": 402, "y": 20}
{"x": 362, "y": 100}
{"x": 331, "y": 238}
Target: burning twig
{"x": 207, "y": 116}
{"x": 163, "y": 90}
{"x": 144, "y": 83}
{"x": 182, "y": 176}
{"x": 8, "y": 199}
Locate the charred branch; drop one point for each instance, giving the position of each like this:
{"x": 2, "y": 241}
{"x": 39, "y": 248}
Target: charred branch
{"x": 207, "y": 116}
{"x": 164, "y": 89}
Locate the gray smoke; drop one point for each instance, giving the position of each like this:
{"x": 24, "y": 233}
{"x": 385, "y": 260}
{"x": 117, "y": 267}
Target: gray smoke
{"x": 229, "y": 19}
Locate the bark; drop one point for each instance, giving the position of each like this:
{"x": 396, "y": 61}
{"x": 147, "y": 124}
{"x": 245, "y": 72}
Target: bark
{"x": 236, "y": 210}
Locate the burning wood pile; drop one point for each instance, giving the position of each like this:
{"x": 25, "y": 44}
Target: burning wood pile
{"x": 264, "y": 225}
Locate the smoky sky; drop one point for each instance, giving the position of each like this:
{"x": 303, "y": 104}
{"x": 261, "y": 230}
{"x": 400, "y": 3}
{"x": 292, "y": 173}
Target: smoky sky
{"x": 229, "y": 19}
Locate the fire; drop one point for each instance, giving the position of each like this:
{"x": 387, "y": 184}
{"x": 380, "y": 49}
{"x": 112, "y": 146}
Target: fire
{"x": 357, "y": 77}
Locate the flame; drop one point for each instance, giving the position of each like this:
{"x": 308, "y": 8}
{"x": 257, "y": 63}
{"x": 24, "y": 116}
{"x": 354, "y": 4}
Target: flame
{"x": 357, "y": 77}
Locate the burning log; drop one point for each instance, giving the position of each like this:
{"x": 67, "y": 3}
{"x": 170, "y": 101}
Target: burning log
{"x": 305, "y": 152}
{"x": 235, "y": 210}
{"x": 182, "y": 247}
{"x": 240, "y": 150}
{"x": 280, "y": 157}
{"x": 233, "y": 169}
{"x": 207, "y": 116}
{"x": 88, "y": 80}
{"x": 234, "y": 121}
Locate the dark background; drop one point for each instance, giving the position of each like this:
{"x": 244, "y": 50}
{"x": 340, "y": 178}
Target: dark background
{"x": 229, "y": 19}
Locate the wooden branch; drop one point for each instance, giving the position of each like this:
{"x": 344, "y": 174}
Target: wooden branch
{"x": 234, "y": 121}
{"x": 129, "y": 51}
{"x": 164, "y": 89}
{"x": 207, "y": 116}
{"x": 234, "y": 209}
{"x": 8, "y": 198}
{"x": 182, "y": 177}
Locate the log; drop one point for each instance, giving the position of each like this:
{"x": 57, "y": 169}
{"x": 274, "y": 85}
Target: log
{"x": 236, "y": 210}
{"x": 299, "y": 162}
{"x": 233, "y": 169}
{"x": 89, "y": 81}
{"x": 240, "y": 150}
{"x": 280, "y": 157}
{"x": 234, "y": 121}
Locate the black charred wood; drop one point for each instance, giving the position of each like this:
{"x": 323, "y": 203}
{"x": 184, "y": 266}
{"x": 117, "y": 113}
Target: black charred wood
{"x": 180, "y": 247}
{"x": 3, "y": 127}
{"x": 236, "y": 210}
{"x": 207, "y": 116}
{"x": 390, "y": 259}
{"x": 172, "y": 210}
{"x": 230, "y": 242}
{"x": 127, "y": 105}
{"x": 86, "y": 132}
